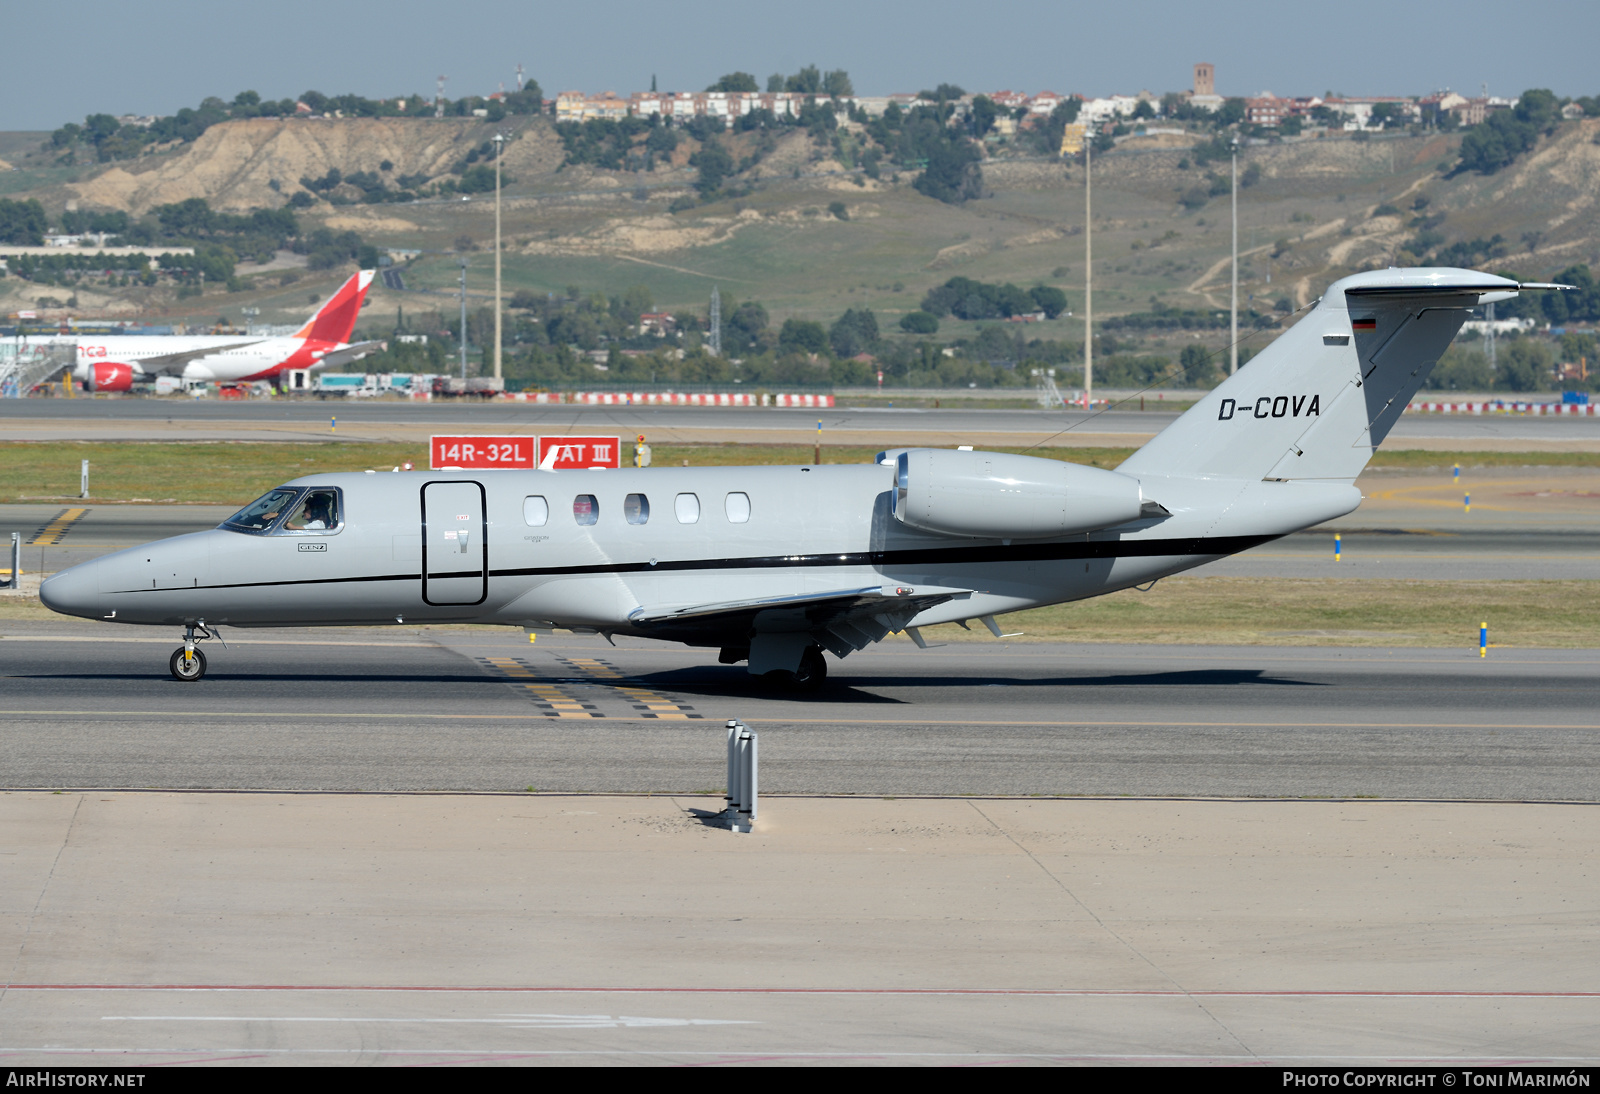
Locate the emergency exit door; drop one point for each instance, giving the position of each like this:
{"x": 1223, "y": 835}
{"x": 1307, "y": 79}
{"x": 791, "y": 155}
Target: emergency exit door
{"x": 455, "y": 543}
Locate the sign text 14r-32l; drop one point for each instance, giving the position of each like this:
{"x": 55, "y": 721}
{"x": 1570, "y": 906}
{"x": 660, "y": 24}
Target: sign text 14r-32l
{"x": 479, "y": 453}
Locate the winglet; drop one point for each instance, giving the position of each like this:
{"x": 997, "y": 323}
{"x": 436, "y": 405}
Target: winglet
{"x": 336, "y": 319}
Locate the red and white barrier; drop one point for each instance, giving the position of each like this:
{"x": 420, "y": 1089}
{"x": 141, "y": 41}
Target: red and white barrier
{"x": 678, "y": 398}
{"x": 533, "y": 396}
{"x": 1501, "y": 407}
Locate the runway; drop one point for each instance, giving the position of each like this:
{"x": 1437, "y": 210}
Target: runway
{"x": 291, "y": 420}
{"x": 484, "y": 710}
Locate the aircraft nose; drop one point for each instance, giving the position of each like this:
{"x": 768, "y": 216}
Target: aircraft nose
{"x": 73, "y": 591}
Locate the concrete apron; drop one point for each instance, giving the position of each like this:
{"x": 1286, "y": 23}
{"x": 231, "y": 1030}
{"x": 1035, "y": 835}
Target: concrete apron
{"x": 152, "y": 927}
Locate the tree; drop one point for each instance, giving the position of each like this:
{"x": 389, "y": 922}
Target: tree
{"x": 22, "y": 222}
{"x": 746, "y": 325}
{"x": 715, "y": 165}
{"x": 1506, "y": 134}
{"x": 919, "y": 322}
{"x": 530, "y": 100}
{"x": 1050, "y": 300}
{"x": 952, "y": 173}
{"x": 736, "y": 81}
{"x": 1143, "y": 111}
{"x": 775, "y": 83}
{"x": 1198, "y": 367}
{"x": 837, "y": 84}
{"x": 984, "y": 112}
{"x": 1461, "y": 369}
{"x": 1526, "y": 365}
{"x": 808, "y": 81}
{"x": 1047, "y": 137}
{"x": 802, "y": 336}
{"x": 1231, "y": 112}
{"x": 854, "y": 332}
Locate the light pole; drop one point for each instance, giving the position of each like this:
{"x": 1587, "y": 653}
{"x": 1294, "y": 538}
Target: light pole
{"x": 463, "y": 260}
{"x": 499, "y": 147}
{"x": 1088, "y": 271}
{"x": 1233, "y": 307}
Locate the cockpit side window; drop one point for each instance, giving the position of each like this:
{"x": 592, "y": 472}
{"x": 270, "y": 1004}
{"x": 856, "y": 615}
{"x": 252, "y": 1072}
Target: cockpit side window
{"x": 261, "y": 515}
{"x": 318, "y": 511}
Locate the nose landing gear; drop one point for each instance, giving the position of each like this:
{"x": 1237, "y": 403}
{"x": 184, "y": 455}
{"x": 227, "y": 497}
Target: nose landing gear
{"x": 187, "y": 662}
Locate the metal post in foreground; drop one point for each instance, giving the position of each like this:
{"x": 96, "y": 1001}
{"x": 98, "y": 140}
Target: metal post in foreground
{"x": 741, "y": 812}
{"x": 83, "y": 484}
{"x": 16, "y": 560}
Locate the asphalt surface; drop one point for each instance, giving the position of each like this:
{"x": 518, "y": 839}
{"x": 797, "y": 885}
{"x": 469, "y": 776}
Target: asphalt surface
{"x": 228, "y": 929}
{"x": 92, "y": 706}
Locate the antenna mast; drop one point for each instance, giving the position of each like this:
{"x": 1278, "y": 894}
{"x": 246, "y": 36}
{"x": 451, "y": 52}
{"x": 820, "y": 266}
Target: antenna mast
{"x": 519, "y": 75}
{"x": 438, "y": 98}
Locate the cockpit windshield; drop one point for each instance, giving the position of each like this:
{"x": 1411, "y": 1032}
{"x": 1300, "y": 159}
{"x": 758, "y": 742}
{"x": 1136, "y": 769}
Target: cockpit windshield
{"x": 261, "y": 514}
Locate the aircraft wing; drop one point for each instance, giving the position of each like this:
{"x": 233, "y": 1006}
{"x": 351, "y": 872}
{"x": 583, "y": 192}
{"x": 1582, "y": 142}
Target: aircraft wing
{"x": 171, "y": 364}
{"x": 353, "y": 352}
{"x": 842, "y": 620}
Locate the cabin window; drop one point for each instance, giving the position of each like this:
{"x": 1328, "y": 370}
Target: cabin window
{"x": 535, "y": 512}
{"x": 687, "y": 507}
{"x": 585, "y": 510}
{"x": 636, "y": 509}
{"x": 738, "y": 508}
{"x": 318, "y": 511}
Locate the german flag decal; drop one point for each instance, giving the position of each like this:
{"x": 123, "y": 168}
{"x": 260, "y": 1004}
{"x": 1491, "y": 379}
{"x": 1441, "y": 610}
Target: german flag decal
{"x": 1363, "y": 324}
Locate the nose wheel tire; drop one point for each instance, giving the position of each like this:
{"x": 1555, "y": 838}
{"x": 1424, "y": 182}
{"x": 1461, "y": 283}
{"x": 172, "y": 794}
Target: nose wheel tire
{"x": 185, "y": 669}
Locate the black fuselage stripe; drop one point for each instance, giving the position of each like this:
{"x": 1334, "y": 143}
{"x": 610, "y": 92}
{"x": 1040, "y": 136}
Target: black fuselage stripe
{"x": 909, "y": 557}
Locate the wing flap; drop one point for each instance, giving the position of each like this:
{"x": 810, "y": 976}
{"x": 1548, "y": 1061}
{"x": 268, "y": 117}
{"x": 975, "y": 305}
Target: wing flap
{"x": 841, "y": 619}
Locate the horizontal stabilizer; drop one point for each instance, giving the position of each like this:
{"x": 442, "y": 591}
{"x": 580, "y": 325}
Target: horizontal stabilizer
{"x": 354, "y": 352}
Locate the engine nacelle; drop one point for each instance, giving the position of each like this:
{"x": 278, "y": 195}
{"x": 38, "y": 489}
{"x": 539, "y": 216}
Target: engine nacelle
{"x": 109, "y": 376}
{"x": 991, "y": 495}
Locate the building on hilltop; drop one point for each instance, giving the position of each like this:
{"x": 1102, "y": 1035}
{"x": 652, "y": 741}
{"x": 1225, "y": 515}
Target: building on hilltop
{"x": 1205, "y": 94}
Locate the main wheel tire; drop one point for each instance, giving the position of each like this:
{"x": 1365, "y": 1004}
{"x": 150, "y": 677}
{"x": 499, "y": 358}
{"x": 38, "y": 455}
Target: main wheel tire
{"x": 813, "y": 670}
{"x": 186, "y": 670}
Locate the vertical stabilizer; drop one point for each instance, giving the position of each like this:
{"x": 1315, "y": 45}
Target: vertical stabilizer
{"x": 336, "y": 319}
{"x": 1315, "y": 403}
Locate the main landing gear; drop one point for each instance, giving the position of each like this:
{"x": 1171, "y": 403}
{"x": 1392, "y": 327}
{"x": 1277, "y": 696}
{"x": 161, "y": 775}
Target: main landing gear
{"x": 187, "y": 662}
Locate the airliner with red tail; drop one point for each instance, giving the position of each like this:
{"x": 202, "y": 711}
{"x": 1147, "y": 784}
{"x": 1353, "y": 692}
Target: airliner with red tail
{"x": 113, "y": 363}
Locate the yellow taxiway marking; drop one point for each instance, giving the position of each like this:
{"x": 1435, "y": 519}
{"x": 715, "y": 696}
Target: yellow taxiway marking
{"x": 812, "y": 715}
{"x": 62, "y": 523}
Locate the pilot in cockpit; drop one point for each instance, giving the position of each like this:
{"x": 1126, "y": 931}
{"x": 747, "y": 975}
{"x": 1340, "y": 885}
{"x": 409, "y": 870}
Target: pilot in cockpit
{"x": 315, "y": 515}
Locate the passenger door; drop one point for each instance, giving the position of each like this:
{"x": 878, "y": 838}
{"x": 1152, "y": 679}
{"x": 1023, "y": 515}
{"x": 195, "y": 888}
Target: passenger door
{"x": 455, "y": 543}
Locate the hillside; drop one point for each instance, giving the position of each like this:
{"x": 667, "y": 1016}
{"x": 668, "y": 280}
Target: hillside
{"x": 1308, "y": 218}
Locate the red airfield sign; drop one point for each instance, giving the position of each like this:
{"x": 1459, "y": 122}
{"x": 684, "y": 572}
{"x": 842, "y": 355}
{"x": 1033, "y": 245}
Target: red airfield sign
{"x": 576, "y": 453}
{"x": 479, "y": 453}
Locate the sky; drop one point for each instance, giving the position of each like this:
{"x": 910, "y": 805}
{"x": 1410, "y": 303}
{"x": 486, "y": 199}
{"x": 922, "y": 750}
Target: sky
{"x": 154, "y": 58}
